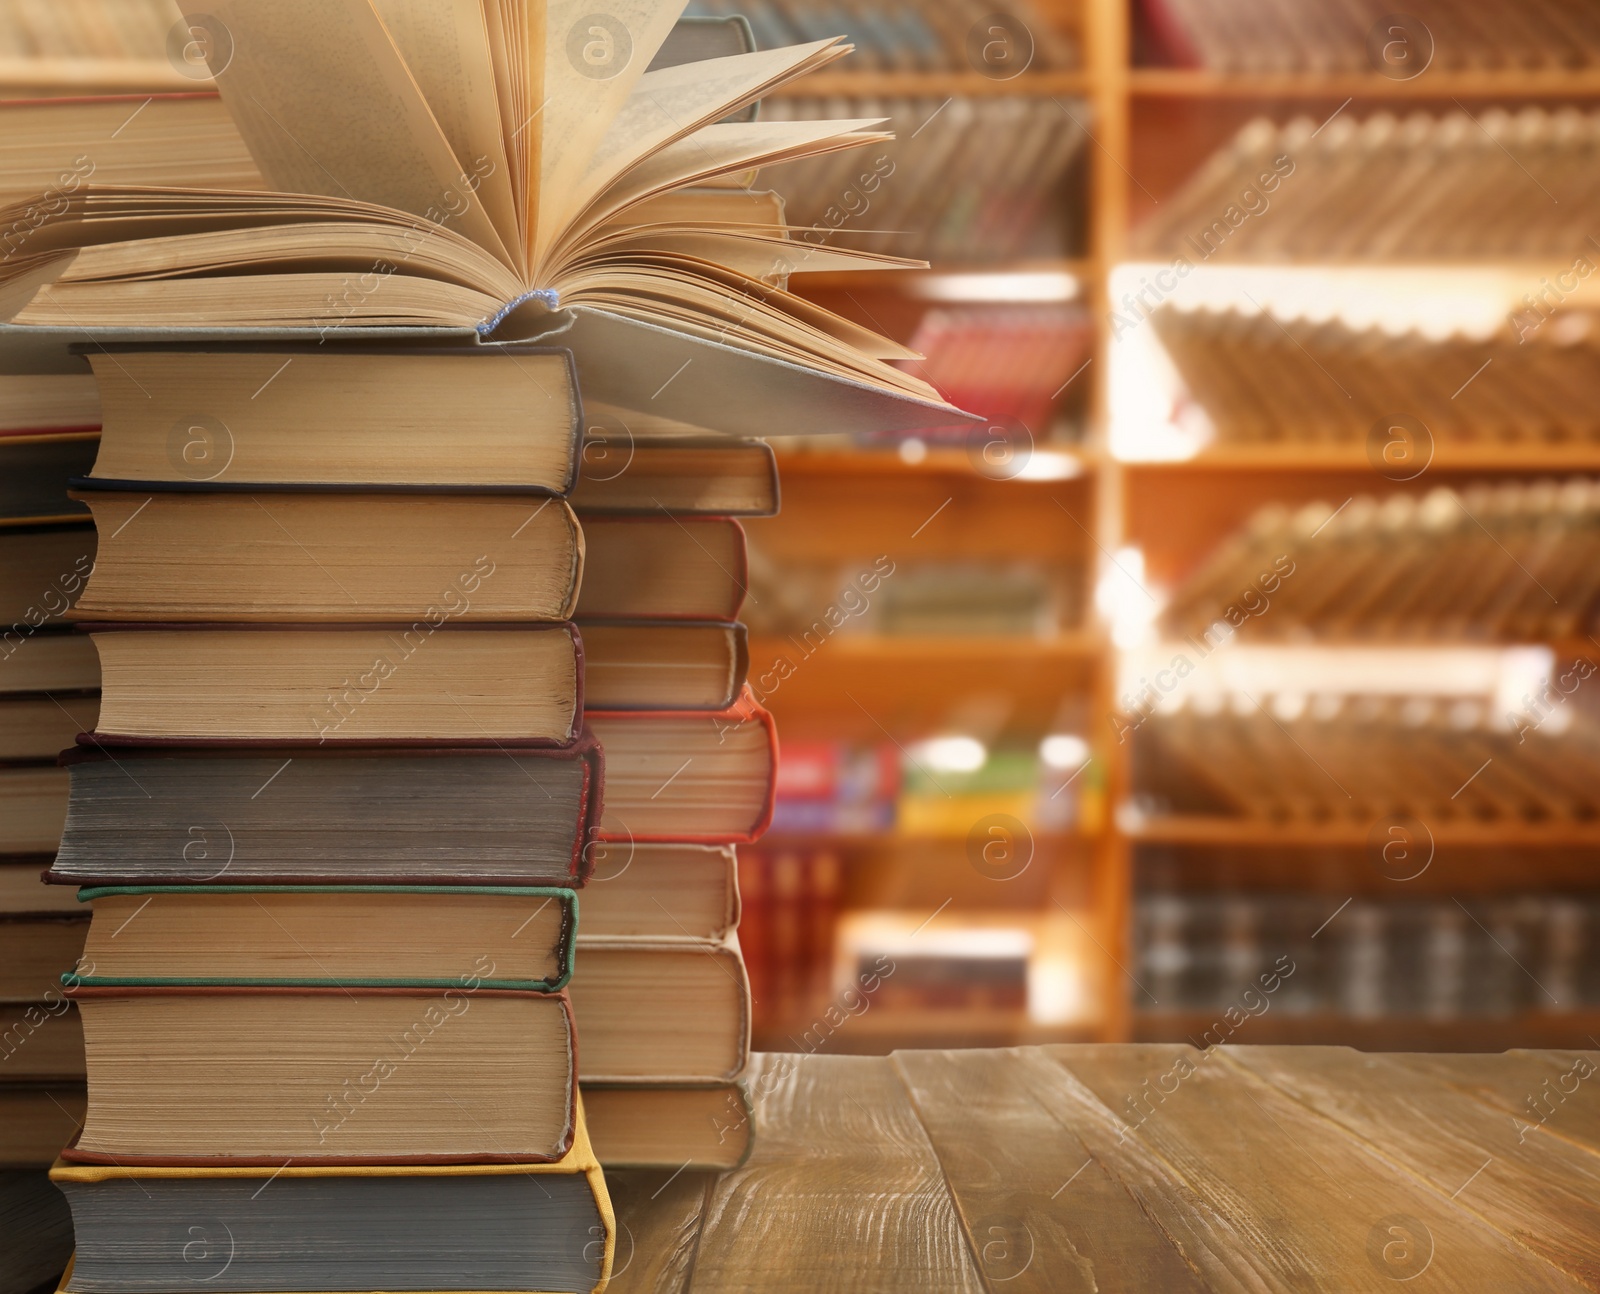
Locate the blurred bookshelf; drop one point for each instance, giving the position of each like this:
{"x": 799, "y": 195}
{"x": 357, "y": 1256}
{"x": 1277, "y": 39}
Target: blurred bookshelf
{"x": 1043, "y": 148}
{"x": 1155, "y": 502}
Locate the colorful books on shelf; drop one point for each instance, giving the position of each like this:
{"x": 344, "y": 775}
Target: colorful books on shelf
{"x": 1263, "y": 378}
{"x": 966, "y": 182}
{"x": 1498, "y": 184}
{"x": 1326, "y": 37}
{"x": 1490, "y": 563}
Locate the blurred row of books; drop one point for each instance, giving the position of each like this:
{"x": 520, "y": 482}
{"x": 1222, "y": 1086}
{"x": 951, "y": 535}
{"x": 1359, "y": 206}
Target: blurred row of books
{"x": 965, "y": 181}
{"x": 909, "y": 35}
{"x": 1321, "y": 37}
{"x": 1510, "y": 562}
{"x": 1438, "y": 959}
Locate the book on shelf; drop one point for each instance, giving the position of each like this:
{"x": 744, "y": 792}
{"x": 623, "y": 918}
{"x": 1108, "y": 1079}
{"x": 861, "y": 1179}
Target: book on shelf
{"x": 1417, "y": 959}
{"x": 517, "y": 1224}
{"x": 36, "y": 1120}
{"x": 353, "y": 936}
{"x": 1011, "y": 363}
{"x": 459, "y": 814}
{"x": 791, "y": 897}
{"x": 966, "y": 181}
{"x": 1330, "y": 37}
{"x": 87, "y": 29}
{"x": 1387, "y": 190}
{"x": 483, "y": 230}
{"x": 1509, "y": 562}
{"x": 1263, "y": 377}
{"x": 835, "y": 788}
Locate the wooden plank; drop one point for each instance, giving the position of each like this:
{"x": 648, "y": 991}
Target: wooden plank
{"x": 658, "y": 1227}
{"x": 1260, "y": 1194}
{"x": 843, "y": 1191}
{"x": 1040, "y": 1213}
{"x": 1547, "y": 1088}
{"x": 1542, "y": 1195}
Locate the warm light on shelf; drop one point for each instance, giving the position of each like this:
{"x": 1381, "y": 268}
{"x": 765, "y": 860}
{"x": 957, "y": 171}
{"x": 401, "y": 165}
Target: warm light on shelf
{"x": 951, "y": 754}
{"x": 1023, "y": 286}
{"x": 1063, "y": 751}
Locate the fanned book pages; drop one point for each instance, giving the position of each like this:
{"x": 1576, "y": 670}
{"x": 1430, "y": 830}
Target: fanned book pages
{"x": 510, "y": 168}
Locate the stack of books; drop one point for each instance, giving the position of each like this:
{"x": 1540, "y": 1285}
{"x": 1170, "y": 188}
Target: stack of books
{"x": 331, "y": 814}
{"x": 1392, "y": 189}
{"x": 340, "y": 791}
{"x": 48, "y": 692}
{"x": 661, "y": 995}
{"x": 1515, "y": 562}
{"x": 1263, "y": 378}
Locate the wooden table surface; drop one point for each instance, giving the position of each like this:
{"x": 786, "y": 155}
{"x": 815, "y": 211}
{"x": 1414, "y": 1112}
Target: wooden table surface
{"x": 1140, "y": 1168}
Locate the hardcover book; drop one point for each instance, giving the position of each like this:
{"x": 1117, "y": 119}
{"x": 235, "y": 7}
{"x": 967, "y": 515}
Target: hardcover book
{"x": 516, "y": 1226}
{"x": 201, "y": 1074}
{"x": 444, "y": 815}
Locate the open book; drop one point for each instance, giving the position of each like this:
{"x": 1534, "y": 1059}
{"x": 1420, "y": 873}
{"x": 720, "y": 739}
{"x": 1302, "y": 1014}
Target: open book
{"x": 502, "y": 165}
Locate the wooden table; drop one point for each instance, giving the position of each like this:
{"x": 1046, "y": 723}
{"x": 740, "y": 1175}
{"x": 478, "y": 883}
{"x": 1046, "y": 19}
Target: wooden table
{"x": 1140, "y": 1168}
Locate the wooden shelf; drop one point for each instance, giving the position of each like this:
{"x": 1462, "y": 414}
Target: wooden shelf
{"x": 90, "y": 75}
{"x": 937, "y": 461}
{"x": 932, "y": 85}
{"x": 1063, "y": 649}
{"x": 1196, "y": 830}
{"x": 1469, "y": 1033}
{"x": 1197, "y": 83}
{"x": 895, "y": 836}
{"x": 1023, "y": 281}
{"x": 1535, "y": 457}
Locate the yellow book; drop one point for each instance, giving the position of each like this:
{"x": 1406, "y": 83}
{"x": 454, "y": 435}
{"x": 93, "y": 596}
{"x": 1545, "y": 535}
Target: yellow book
{"x": 486, "y": 1228}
